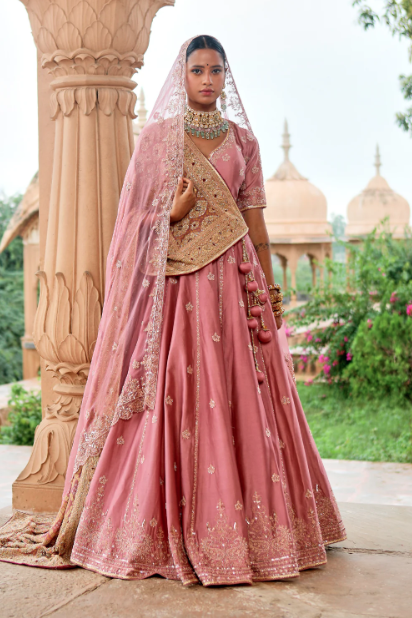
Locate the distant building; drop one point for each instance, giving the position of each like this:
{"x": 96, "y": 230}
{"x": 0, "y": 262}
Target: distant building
{"x": 376, "y": 202}
{"x": 25, "y": 223}
{"x": 296, "y": 218}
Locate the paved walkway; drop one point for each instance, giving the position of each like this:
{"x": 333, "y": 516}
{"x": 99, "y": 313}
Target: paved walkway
{"x": 368, "y": 575}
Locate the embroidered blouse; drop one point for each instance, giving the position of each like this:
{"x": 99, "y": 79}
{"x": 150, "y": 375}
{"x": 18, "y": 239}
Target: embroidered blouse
{"x": 238, "y": 162}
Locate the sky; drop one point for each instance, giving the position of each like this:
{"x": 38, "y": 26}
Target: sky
{"x": 309, "y": 62}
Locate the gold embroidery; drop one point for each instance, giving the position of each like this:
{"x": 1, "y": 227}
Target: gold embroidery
{"x": 135, "y": 364}
{"x": 238, "y": 506}
{"x": 211, "y": 276}
{"x": 154, "y": 418}
{"x": 172, "y": 280}
{"x": 242, "y": 304}
{"x": 281, "y": 444}
{"x": 120, "y": 440}
{"x": 309, "y": 494}
{"x": 169, "y": 400}
{"x": 189, "y": 307}
{"x": 285, "y": 400}
{"x": 212, "y": 403}
{"x": 190, "y": 369}
{"x": 231, "y": 259}
{"x": 186, "y": 434}
{"x": 220, "y": 223}
{"x": 142, "y": 459}
{"x": 267, "y": 432}
{"x": 183, "y": 501}
{"x": 145, "y": 283}
{"x": 216, "y": 337}
{"x": 275, "y": 478}
{"x": 211, "y": 469}
{"x": 114, "y": 346}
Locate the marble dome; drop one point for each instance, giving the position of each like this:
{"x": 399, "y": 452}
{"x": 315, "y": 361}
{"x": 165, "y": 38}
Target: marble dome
{"x": 376, "y": 202}
{"x": 296, "y": 209}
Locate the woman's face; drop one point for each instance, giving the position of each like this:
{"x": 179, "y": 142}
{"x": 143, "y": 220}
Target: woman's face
{"x": 205, "y": 78}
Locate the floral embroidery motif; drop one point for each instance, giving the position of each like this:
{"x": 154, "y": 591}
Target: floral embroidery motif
{"x": 258, "y": 390}
{"x": 120, "y": 440}
{"x": 154, "y": 419}
{"x": 135, "y": 364}
{"x": 267, "y": 432}
{"x": 242, "y": 304}
{"x": 216, "y": 337}
{"x": 210, "y": 276}
{"x": 183, "y": 501}
{"x": 142, "y": 459}
{"x": 309, "y": 494}
{"x": 114, "y": 346}
{"x": 238, "y": 506}
{"x": 212, "y": 403}
{"x": 189, "y": 307}
{"x": 153, "y": 522}
{"x": 249, "y": 345}
{"x": 275, "y": 478}
{"x": 285, "y": 400}
{"x": 281, "y": 444}
{"x": 231, "y": 259}
{"x": 226, "y": 157}
{"x": 242, "y": 172}
{"x": 145, "y": 283}
{"x": 255, "y": 169}
{"x": 211, "y": 469}
{"x": 172, "y": 280}
{"x": 190, "y": 369}
{"x": 128, "y": 186}
{"x": 186, "y": 434}
{"x": 118, "y": 264}
{"x": 169, "y": 400}
{"x": 224, "y": 546}
{"x": 114, "y": 308}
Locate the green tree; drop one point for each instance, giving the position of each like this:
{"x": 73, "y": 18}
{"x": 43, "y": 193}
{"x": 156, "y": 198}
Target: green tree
{"x": 397, "y": 15}
{"x": 11, "y": 298}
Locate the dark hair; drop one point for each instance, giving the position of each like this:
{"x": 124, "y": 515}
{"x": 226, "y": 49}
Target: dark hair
{"x": 205, "y": 42}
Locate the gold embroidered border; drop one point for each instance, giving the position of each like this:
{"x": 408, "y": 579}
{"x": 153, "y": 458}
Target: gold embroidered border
{"x": 213, "y": 225}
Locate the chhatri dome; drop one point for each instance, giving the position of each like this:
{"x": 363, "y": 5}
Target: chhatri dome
{"x": 296, "y": 219}
{"x": 296, "y": 210}
{"x": 375, "y": 203}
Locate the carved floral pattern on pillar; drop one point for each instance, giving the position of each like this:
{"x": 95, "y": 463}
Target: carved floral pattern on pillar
{"x": 92, "y": 49}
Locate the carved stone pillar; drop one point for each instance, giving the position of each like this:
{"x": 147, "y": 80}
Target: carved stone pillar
{"x": 91, "y": 49}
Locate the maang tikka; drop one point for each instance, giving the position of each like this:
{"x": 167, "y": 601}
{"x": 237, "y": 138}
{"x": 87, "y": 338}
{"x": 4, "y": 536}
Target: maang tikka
{"x": 223, "y": 99}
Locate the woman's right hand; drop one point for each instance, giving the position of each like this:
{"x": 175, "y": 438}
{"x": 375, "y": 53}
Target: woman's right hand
{"x": 184, "y": 199}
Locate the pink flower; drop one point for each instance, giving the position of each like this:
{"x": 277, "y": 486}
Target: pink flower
{"x": 326, "y": 369}
{"x": 318, "y": 340}
{"x": 309, "y": 337}
{"x": 393, "y": 298}
{"x": 335, "y": 362}
{"x": 302, "y": 313}
{"x": 379, "y": 269}
{"x": 345, "y": 339}
{"x": 409, "y": 310}
{"x": 349, "y": 356}
{"x": 369, "y": 323}
{"x": 326, "y": 358}
{"x": 289, "y": 331}
{"x": 304, "y": 359}
{"x": 308, "y": 382}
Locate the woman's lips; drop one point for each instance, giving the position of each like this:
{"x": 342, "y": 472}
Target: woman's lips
{"x": 206, "y": 92}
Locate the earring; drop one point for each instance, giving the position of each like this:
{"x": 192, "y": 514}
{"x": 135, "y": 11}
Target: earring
{"x": 223, "y": 99}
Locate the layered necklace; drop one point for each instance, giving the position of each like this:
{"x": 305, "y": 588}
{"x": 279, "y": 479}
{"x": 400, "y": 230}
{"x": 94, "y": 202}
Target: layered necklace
{"x": 205, "y": 124}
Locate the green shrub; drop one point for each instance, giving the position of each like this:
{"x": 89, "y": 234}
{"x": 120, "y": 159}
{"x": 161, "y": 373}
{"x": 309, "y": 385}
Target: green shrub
{"x": 363, "y": 317}
{"x": 382, "y": 357}
{"x": 25, "y": 414}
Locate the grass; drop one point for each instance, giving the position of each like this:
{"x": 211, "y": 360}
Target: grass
{"x": 348, "y": 428}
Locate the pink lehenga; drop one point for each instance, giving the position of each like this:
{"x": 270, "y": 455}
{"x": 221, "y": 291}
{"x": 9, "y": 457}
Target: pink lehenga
{"x": 192, "y": 459}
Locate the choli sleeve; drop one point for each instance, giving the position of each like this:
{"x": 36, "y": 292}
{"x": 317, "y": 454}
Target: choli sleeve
{"x": 252, "y": 190}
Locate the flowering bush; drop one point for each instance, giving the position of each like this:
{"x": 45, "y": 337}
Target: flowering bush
{"x": 360, "y": 325}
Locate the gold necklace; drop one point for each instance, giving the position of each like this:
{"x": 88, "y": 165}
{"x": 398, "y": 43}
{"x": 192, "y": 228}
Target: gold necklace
{"x": 205, "y": 124}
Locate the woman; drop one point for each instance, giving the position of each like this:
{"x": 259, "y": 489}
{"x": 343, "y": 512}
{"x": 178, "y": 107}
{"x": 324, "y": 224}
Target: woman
{"x": 192, "y": 457}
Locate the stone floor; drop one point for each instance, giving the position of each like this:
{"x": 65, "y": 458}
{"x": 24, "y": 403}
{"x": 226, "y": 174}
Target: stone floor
{"x": 368, "y": 575}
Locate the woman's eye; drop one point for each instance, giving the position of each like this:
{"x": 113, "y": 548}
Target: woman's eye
{"x": 196, "y": 71}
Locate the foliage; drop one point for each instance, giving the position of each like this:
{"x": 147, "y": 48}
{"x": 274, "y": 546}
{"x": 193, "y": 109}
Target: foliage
{"x": 12, "y": 257}
{"x": 24, "y": 416}
{"x": 350, "y": 428}
{"x": 397, "y": 15}
{"x": 11, "y": 299}
{"x": 364, "y": 317}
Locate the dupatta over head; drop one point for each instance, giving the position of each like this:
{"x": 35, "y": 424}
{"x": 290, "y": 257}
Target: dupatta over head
{"x": 124, "y": 368}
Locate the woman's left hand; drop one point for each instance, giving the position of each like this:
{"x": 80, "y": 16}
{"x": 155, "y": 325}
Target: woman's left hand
{"x": 279, "y": 321}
